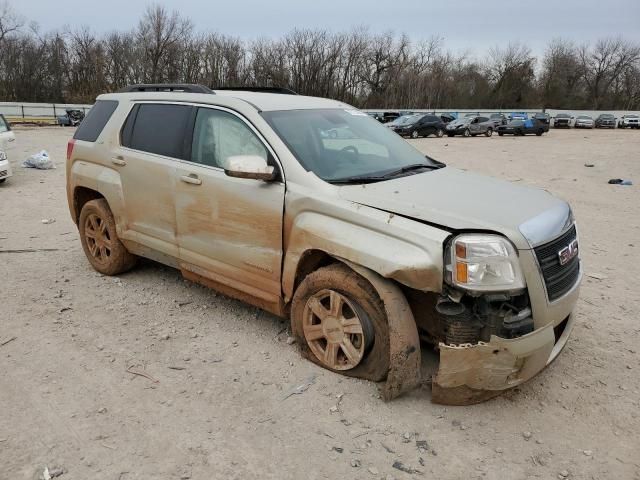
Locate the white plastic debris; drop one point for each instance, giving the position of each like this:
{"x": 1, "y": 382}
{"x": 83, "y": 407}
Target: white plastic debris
{"x": 40, "y": 160}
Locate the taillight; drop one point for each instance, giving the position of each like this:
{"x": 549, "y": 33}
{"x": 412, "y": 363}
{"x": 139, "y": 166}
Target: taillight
{"x": 70, "y": 146}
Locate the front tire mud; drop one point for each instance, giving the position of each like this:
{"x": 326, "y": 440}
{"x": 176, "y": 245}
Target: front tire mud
{"x": 374, "y": 363}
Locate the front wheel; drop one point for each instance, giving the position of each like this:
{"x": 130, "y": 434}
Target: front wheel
{"x": 467, "y": 132}
{"x": 415, "y": 134}
{"x": 539, "y": 132}
{"x": 489, "y": 132}
{"x": 439, "y": 133}
{"x": 100, "y": 241}
{"x": 340, "y": 323}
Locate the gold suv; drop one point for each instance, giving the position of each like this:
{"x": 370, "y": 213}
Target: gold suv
{"x": 310, "y": 209}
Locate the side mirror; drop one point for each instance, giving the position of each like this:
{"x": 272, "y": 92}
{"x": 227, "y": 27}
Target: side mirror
{"x": 249, "y": 166}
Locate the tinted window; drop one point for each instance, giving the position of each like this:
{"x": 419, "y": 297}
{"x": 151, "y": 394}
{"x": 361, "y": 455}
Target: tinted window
{"x": 219, "y": 135}
{"x": 158, "y": 129}
{"x": 483, "y": 119}
{"x": 431, "y": 118}
{"x": 92, "y": 125}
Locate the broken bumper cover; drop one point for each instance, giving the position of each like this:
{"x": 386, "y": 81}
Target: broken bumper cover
{"x": 472, "y": 373}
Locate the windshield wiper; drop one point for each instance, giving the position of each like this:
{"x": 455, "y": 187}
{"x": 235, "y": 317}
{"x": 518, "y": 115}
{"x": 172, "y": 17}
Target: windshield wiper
{"x": 387, "y": 175}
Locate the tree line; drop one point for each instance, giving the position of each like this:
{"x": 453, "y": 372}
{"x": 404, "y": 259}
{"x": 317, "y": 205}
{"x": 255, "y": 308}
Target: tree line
{"x": 363, "y": 68}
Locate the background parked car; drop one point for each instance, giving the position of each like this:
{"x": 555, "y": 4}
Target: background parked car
{"x": 518, "y": 116}
{"x": 420, "y": 125}
{"x": 498, "y": 119}
{"x": 400, "y": 121}
{"x": 629, "y": 121}
{"x": 605, "y": 120}
{"x": 562, "y": 120}
{"x": 470, "y": 127}
{"x": 542, "y": 117}
{"x": 6, "y": 136}
{"x": 72, "y": 118}
{"x": 390, "y": 116}
{"x": 531, "y": 126}
{"x": 584, "y": 121}
{"x": 447, "y": 117}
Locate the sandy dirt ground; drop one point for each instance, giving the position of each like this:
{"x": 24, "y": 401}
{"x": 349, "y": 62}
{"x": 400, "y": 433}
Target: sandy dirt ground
{"x": 219, "y": 401}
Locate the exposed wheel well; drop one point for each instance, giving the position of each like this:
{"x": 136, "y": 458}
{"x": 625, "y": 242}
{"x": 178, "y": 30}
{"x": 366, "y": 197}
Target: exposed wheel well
{"x": 82, "y": 195}
{"x": 311, "y": 261}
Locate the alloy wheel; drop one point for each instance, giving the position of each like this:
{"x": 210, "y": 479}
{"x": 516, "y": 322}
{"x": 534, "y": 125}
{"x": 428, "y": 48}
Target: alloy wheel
{"x": 335, "y": 330}
{"x": 97, "y": 236}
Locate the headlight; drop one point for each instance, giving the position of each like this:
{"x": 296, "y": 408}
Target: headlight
{"x": 479, "y": 262}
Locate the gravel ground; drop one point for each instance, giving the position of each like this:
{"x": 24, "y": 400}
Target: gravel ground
{"x": 217, "y": 401}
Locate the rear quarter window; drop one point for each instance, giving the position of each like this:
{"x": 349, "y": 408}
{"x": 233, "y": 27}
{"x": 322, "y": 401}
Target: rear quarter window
{"x": 157, "y": 128}
{"x": 91, "y": 127}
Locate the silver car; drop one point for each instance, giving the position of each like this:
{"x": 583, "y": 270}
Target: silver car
{"x": 471, "y": 126}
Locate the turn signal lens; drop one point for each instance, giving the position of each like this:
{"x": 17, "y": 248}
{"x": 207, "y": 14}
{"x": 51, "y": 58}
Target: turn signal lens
{"x": 462, "y": 273}
{"x": 461, "y": 250}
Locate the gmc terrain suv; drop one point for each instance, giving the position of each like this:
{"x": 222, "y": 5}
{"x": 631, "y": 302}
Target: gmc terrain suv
{"x": 364, "y": 243}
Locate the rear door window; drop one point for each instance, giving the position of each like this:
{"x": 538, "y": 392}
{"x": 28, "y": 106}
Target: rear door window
{"x": 92, "y": 125}
{"x": 158, "y": 128}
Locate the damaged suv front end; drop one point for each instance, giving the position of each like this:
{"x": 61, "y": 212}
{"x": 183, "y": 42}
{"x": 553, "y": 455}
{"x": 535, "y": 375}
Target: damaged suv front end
{"x": 504, "y": 314}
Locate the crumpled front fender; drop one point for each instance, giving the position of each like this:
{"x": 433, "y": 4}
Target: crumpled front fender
{"x": 404, "y": 341}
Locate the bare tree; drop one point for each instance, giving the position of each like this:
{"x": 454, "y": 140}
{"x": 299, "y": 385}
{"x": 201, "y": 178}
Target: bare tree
{"x": 604, "y": 63}
{"x": 10, "y": 21}
{"x": 158, "y": 32}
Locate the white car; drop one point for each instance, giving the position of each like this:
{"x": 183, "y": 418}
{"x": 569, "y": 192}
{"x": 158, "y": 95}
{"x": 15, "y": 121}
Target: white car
{"x": 6, "y": 136}
{"x": 629, "y": 121}
{"x": 584, "y": 121}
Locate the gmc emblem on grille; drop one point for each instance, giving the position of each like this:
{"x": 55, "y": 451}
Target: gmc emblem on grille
{"x": 567, "y": 253}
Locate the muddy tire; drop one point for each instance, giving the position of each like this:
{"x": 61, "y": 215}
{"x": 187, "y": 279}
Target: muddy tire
{"x": 340, "y": 323}
{"x": 99, "y": 239}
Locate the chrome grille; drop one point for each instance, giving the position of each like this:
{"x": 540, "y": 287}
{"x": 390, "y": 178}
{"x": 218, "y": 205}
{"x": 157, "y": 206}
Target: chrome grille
{"x": 558, "y": 279}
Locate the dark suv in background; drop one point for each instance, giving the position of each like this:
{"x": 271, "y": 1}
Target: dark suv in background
{"x": 421, "y": 126}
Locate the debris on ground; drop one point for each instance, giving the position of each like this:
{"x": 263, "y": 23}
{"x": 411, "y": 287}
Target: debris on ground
{"x": 355, "y": 463}
{"x": 40, "y": 161}
{"x": 48, "y": 221}
{"x": 597, "y": 276}
{"x": 301, "y": 388}
{"x": 2, "y": 344}
{"x": 620, "y": 181}
{"x": 398, "y": 465}
{"x": 589, "y": 165}
{"x": 140, "y": 373}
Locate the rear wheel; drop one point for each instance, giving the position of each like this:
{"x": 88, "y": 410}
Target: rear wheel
{"x": 415, "y": 134}
{"x": 340, "y": 323}
{"x": 99, "y": 239}
{"x": 467, "y": 132}
{"x": 439, "y": 133}
{"x": 489, "y": 132}
{"x": 539, "y": 132}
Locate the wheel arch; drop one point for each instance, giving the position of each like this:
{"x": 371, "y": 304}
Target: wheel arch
{"x": 82, "y": 195}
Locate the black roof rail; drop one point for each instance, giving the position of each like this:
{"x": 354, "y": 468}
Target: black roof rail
{"x": 280, "y": 90}
{"x": 167, "y": 87}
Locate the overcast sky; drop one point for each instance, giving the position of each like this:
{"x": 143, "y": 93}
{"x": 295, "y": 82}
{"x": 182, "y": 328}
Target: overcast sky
{"x": 466, "y": 25}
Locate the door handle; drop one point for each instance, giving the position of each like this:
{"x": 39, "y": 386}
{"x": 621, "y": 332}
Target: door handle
{"x": 119, "y": 160}
{"x": 192, "y": 179}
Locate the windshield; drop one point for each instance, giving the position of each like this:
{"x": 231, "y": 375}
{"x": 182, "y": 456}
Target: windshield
{"x": 405, "y": 119}
{"x": 365, "y": 151}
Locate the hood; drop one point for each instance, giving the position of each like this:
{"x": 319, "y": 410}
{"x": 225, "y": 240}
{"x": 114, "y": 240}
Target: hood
{"x": 458, "y": 122}
{"x": 461, "y": 200}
